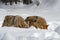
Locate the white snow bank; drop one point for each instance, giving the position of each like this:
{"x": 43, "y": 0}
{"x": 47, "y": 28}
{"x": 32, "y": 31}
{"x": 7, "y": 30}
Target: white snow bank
{"x": 12, "y": 33}
{"x": 53, "y": 25}
{"x": 58, "y": 29}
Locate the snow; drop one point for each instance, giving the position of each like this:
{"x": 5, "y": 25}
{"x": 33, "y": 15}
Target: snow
{"x": 57, "y": 29}
{"x": 12, "y": 33}
{"x": 49, "y": 9}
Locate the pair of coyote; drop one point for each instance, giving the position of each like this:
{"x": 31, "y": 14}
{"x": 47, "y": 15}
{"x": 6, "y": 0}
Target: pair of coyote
{"x": 18, "y": 21}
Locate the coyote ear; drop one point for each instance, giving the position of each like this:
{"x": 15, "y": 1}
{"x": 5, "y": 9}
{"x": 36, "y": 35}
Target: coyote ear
{"x": 47, "y": 25}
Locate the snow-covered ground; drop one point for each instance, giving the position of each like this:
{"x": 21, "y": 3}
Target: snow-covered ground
{"x": 11, "y": 33}
{"x": 49, "y": 9}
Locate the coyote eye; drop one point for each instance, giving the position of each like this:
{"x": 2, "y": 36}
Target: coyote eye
{"x": 34, "y": 20}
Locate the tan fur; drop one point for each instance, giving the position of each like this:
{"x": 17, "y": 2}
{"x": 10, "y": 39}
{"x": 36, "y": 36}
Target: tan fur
{"x": 8, "y": 21}
{"x": 19, "y": 22}
{"x": 37, "y": 22}
{"x": 16, "y": 21}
